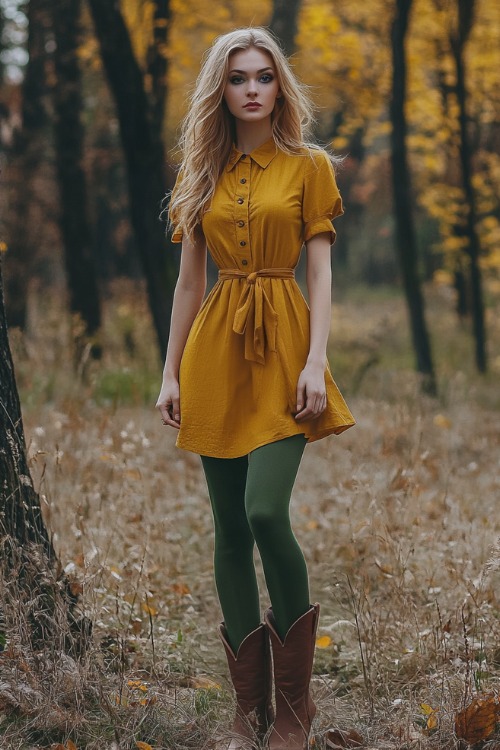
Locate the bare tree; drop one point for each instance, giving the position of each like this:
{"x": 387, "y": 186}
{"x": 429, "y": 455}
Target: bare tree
{"x": 26, "y": 152}
{"x": 140, "y": 117}
{"x": 405, "y": 232}
{"x": 31, "y": 574}
{"x": 458, "y": 41}
{"x": 69, "y": 143}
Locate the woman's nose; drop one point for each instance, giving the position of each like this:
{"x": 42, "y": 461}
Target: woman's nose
{"x": 251, "y": 87}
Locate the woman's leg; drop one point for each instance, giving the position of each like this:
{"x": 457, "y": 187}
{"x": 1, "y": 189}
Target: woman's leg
{"x": 233, "y": 556}
{"x": 272, "y": 470}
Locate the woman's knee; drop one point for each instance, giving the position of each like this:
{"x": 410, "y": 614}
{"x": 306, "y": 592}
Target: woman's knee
{"x": 267, "y": 521}
{"x": 234, "y": 538}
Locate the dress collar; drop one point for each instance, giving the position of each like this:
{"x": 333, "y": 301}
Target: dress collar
{"x": 263, "y": 155}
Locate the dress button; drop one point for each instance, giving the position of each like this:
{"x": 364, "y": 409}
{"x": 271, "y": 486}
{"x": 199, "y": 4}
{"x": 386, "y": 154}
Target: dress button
{"x": 241, "y": 223}
{"x": 244, "y": 262}
{"x": 240, "y": 200}
{"x": 243, "y": 180}
{"x": 243, "y": 243}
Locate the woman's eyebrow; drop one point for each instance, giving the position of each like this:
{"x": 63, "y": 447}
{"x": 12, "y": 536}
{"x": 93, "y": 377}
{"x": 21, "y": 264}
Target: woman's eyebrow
{"x": 244, "y": 71}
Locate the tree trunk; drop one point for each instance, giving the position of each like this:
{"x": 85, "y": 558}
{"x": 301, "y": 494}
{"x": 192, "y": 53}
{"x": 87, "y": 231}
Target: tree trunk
{"x": 29, "y": 568}
{"x": 25, "y": 157}
{"x": 157, "y": 62}
{"x": 284, "y": 23}
{"x": 458, "y": 42}
{"x": 69, "y": 143}
{"x": 405, "y": 233}
{"x": 145, "y": 157}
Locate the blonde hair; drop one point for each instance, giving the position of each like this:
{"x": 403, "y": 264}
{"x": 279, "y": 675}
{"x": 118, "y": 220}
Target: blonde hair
{"x": 208, "y": 129}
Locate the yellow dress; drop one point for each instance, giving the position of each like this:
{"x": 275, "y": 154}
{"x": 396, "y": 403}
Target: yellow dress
{"x": 250, "y": 340}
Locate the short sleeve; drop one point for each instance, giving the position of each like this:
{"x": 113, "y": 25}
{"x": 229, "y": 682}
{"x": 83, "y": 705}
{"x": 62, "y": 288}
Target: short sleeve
{"x": 177, "y": 230}
{"x": 321, "y": 200}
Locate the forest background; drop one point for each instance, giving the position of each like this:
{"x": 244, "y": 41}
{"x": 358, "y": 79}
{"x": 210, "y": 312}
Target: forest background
{"x": 398, "y": 516}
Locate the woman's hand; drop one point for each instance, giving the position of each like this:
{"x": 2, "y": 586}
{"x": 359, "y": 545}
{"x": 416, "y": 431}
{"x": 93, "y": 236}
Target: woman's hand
{"x": 169, "y": 404}
{"x": 311, "y": 392}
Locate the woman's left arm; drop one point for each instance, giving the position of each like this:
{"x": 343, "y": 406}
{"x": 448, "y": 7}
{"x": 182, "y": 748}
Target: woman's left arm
{"x": 311, "y": 390}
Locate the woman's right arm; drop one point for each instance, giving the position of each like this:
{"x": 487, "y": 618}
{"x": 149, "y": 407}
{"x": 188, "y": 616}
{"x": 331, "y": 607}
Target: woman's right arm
{"x": 188, "y": 296}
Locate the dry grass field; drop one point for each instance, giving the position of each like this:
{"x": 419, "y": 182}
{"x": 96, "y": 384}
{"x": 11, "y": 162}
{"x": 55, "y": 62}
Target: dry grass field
{"x": 398, "y": 518}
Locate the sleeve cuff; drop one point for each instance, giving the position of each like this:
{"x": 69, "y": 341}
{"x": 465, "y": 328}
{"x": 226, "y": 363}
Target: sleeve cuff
{"x": 316, "y": 226}
{"x": 177, "y": 235}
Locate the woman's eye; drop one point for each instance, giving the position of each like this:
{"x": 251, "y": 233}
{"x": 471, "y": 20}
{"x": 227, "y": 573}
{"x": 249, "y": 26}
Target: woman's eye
{"x": 236, "y": 79}
{"x": 266, "y": 78}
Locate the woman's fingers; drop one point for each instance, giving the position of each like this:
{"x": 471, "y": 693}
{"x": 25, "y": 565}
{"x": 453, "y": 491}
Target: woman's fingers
{"x": 172, "y": 420}
{"x": 176, "y": 409}
{"x": 301, "y": 396}
{"x": 170, "y": 413}
{"x": 168, "y": 403}
{"x": 314, "y": 405}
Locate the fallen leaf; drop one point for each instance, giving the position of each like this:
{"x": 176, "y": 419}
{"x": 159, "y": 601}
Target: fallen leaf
{"x": 149, "y": 610}
{"x": 148, "y": 701}
{"x": 79, "y": 560}
{"x": 135, "y": 518}
{"x": 76, "y": 587}
{"x": 136, "y": 684}
{"x": 143, "y": 745}
{"x": 426, "y": 709}
{"x": 71, "y": 745}
{"x": 441, "y": 421}
{"x": 432, "y": 721}
{"x": 204, "y": 682}
{"x": 323, "y": 641}
{"x": 133, "y": 473}
{"x": 478, "y": 720}
{"x": 343, "y": 738}
{"x": 180, "y": 588}
{"x": 385, "y": 569}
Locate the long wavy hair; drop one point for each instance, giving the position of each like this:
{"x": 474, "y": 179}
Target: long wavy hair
{"x": 208, "y": 131}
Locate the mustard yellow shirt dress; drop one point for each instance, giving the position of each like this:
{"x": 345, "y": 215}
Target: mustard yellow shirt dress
{"x": 250, "y": 340}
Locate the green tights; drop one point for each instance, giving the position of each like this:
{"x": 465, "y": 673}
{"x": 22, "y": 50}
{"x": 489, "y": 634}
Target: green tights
{"x": 250, "y": 499}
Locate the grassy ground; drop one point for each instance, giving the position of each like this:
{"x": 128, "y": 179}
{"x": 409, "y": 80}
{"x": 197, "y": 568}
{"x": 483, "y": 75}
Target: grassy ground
{"x": 398, "y": 518}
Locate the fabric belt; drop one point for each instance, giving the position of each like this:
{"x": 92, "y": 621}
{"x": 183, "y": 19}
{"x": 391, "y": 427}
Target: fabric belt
{"x": 255, "y": 317}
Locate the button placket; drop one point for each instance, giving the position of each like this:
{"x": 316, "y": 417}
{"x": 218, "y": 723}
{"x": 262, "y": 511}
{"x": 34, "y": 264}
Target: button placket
{"x": 241, "y": 211}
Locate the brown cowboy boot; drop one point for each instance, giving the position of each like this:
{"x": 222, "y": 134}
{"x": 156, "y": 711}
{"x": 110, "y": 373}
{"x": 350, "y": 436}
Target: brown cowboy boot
{"x": 250, "y": 672}
{"x": 293, "y": 661}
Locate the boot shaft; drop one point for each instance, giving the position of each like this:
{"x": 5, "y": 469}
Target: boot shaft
{"x": 250, "y": 670}
{"x": 293, "y": 663}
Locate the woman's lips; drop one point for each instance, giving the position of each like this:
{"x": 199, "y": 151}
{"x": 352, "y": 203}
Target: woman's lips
{"x": 252, "y": 105}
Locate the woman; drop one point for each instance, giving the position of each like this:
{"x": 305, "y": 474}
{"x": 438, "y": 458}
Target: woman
{"x": 246, "y": 380}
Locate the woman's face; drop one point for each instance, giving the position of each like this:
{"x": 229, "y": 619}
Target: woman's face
{"x": 252, "y": 85}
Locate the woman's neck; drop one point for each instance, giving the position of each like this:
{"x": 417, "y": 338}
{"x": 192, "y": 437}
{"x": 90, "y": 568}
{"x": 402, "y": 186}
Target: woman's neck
{"x": 251, "y": 135}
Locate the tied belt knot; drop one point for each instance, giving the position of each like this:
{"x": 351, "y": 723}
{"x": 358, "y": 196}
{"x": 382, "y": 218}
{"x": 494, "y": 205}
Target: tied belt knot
{"x": 255, "y": 317}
